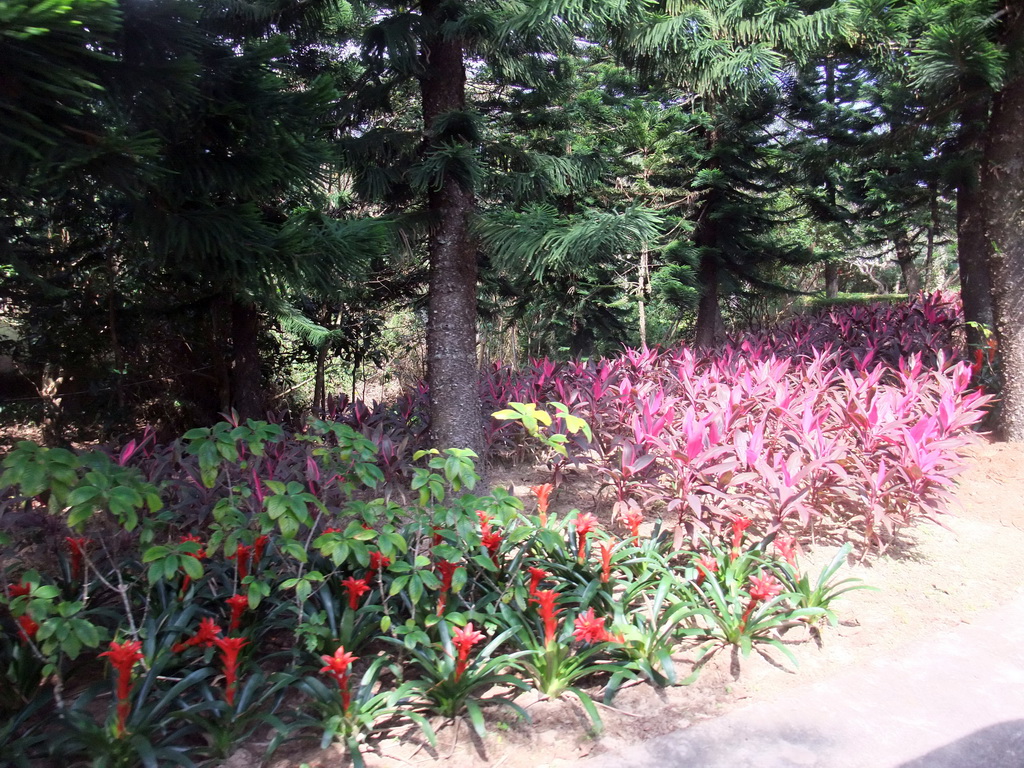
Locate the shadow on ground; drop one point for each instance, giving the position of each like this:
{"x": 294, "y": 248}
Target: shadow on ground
{"x": 998, "y": 746}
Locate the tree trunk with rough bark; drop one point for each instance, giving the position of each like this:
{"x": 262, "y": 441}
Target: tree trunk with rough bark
{"x": 320, "y": 382}
{"x": 710, "y": 328}
{"x": 973, "y": 248}
{"x": 1003, "y": 199}
{"x": 452, "y": 370}
{"x": 831, "y": 279}
{"x": 911, "y": 274}
{"x": 246, "y": 378}
{"x": 643, "y": 279}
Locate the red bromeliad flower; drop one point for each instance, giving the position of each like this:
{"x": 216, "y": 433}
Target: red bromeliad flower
{"x": 739, "y": 525}
{"x": 76, "y": 548}
{"x": 123, "y": 656}
{"x": 200, "y": 553}
{"x": 548, "y": 613}
{"x": 765, "y": 587}
{"x": 355, "y": 588}
{"x": 337, "y": 665}
{"x": 706, "y": 565}
{"x": 543, "y": 493}
{"x": 632, "y": 519}
{"x": 447, "y": 572}
{"x": 378, "y": 562}
{"x": 258, "y": 547}
{"x": 606, "y": 560}
{"x": 19, "y": 590}
{"x": 584, "y": 525}
{"x": 464, "y": 638}
{"x": 590, "y": 629}
{"x": 787, "y": 548}
{"x": 492, "y": 542}
{"x": 242, "y": 558}
{"x": 238, "y": 604}
{"x": 537, "y": 575}
{"x": 229, "y": 648}
{"x": 205, "y": 635}
{"x": 26, "y": 628}
{"x": 762, "y": 588}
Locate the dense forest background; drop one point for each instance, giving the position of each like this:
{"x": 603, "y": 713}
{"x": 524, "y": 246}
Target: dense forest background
{"x": 259, "y": 205}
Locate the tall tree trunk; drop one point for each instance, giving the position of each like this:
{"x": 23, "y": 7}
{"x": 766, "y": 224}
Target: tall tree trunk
{"x": 1003, "y": 199}
{"x": 452, "y": 370}
{"x": 53, "y": 411}
{"x": 112, "y": 323}
{"x": 220, "y": 350}
{"x": 320, "y": 382}
{"x": 908, "y": 267}
{"x": 641, "y": 294}
{"x": 933, "y": 228}
{"x": 831, "y": 265}
{"x": 709, "y": 330}
{"x": 246, "y": 380}
{"x": 973, "y": 248}
{"x": 831, "y": 279}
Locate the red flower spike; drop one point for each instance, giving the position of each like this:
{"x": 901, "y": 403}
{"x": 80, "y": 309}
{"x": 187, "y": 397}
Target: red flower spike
{"x": 356, "y": 588}
{"x": 242, "y": 558}
{"x": 229, "y": 648}
{"x": 257, "y": 550}
{"x": 590, "y": 629}
{"x": 337, "y": 665}
{"x": 76, "y": 549}
{"x": 706, "y": 565}
{"x": 605, "y": 548}
{"x": 786, "y": 545}
{"x": 537, "y": 575}
{"x": 205, "y": 635}
{"x": 26, "y": 628}
{"x": 447, "y": 572}
{"x": 485, "y": 522}
{"x": 19, "y": 590}
{"x": 123, "y": 656}
{"x": 584, "y": 525}
{"x": 378, "y": 562}
{"x": 979, "y": 360}
{"x": 545, "y": 599}
{"x": 632, "y": 519}
{"x": 238, "y": 604}
{"x": 200, "y": 554}
{"x": 543, "y": 493}
{"x": 764, "y": 587}
{"x": 492, "y": 543}
{"x": 739, "y": 525}
{"x": 464, "y": 638}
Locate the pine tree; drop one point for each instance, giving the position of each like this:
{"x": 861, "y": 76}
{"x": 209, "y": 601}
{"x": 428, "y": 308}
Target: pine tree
{"x": 733, "y": 57}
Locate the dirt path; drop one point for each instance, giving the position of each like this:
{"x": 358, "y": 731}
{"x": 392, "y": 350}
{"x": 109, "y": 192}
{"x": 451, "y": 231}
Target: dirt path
{"x": 936, "y": 579}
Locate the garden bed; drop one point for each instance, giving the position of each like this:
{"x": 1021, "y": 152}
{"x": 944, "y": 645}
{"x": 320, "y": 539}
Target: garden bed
{"x": 935, "y": 578}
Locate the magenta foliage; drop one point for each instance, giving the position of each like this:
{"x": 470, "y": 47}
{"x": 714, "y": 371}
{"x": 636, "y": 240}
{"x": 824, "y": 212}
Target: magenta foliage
{"x": 855, "y": 415}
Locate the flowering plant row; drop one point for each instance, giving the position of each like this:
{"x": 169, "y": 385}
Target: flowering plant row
{"x": 352, "y": 622}
{"x": 850, "y": 418}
